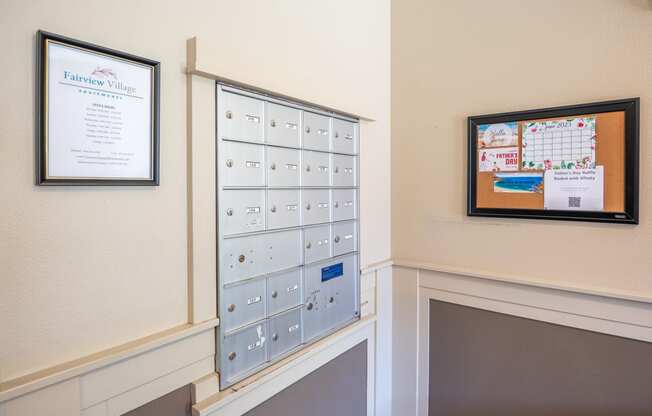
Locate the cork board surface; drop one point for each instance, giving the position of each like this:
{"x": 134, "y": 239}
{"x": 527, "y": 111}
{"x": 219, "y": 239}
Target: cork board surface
{"x": 609, "y": 152}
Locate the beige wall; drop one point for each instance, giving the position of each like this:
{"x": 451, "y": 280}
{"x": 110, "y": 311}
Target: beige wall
{"x": 452, "y": 59}
{"x": 87, "y": 268}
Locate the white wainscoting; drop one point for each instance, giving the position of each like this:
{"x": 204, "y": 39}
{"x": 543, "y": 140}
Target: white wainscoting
{"x": 415, "y": 286}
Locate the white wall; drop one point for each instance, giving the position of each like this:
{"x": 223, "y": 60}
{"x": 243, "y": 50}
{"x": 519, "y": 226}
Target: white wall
{"x": 84, "y": 269}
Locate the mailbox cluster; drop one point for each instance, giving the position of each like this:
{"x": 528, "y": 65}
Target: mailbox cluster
{"x": 287, "y": 207}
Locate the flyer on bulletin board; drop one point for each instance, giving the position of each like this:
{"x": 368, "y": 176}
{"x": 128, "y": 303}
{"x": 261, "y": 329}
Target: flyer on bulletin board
{"x": 502, "y": 159}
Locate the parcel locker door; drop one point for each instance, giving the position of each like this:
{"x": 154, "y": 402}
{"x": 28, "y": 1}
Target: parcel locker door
{"x": 284, "y": 333}
{"x": 283, "y": 208}
{"x": 282, "y": 250}
{"x": 241, "y": 118}
{"x": 343, "y": 170}
{"x": 344, "y": 204}
{"x": 242, "y": 351}
{"x": 283, "y": 125}
{"x": 242, "y": 211}
{"x": 316, "y": 131}
{"x": 316, "y": 169}
{"x": 283, "y": 291}
{"x": 344, "y": 238}
{"x": 243, "y": 304}
{"x": 242, "y": 258}
{"x": 316, "y": 205}
{"x": 345, "y": 139}
{"x": 242, "y": 164}
{"x": 284, "y": 167}
{"x": 317, "y": 243}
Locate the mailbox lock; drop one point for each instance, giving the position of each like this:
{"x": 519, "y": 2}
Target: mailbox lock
{"x": 337, "y": 135}
{"x": 307, "y": 168}
{"x": 274, "y": 294}
{"x": 307, "y": 129}
{"x": 331, "y": 299}
{"x": 308, "y": 245}
{"x": 275, "y": 337}
{"x": 241, "y": 259}
{"x": 273, "y": 208}
{"x": 337, "y": 204}
{"x": 231, "y": 308}
{"x": 272, "y": 166}
{"x": 272, "y": 123}
{"x": 229, "y": 212}
{"x": 308, "y": 207}
{"x": 232, "y": 355}
{"x": 229, "y": 114}
{"x": 309, "y": 307}
{"x": 337, "y": 169}
{"x": 337, "y": 239}
{"x": 229, "y": 163}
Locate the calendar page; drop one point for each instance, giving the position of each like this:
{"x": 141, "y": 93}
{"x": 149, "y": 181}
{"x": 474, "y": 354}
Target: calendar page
{"x": 559, "y": 144}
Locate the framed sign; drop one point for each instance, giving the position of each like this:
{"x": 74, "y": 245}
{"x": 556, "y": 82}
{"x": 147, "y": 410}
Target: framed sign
{"x": 97, "y": 118}
{"x": 578, "y": 162}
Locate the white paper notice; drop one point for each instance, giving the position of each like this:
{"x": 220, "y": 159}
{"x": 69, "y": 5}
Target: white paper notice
{"x": 99, "y": 115}
{"x": 574, "y": 189}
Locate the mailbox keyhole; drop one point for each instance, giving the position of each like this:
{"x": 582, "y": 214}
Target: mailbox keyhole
{"x": 241, "y": 259}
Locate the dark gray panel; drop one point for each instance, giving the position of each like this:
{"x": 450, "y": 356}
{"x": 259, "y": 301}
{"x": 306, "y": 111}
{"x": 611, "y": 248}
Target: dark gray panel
{"x": 176, "y": 403}
{"x": 487, "y": 363}
{"x": 337, "y": 388}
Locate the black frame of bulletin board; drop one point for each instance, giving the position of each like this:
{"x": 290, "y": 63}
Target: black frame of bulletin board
{"x": 629, "y": 106}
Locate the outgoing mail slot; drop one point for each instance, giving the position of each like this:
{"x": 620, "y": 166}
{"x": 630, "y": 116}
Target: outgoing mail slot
{"x": 345, "y": 139}
{"x": 343, "y": 170}
{"x": 316, "y": 205}
{"x": 243, "y": 351}
{"x": 241, "y": 258}
{"x": 242, "y": 211}
{"x": 344, "y": 204}
{"x": 283, "y": 208}
{"x": 283, "y": 291}
{"x": 242, "y": 164}
{"x": 317, "y": 243}
{"x": 243, "y": 304}
{"x": 241, "y": 118}
{"x": 282, "y": 250}
{"x": 284, "y": 332}
{"x": 344, "y": 238}
{"x": 283, "y": 125}
{"x": 284, "y": 168}
{"x": 316, "y": 169}
{"x": 316, "y": 131}
{"x": 330, "y": 293}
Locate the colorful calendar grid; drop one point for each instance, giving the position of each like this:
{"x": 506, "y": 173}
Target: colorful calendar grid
{"x": 559, "y": 144}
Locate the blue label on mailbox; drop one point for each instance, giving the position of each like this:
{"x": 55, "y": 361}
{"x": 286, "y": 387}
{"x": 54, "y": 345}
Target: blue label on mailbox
{"x": 331, "y": 272}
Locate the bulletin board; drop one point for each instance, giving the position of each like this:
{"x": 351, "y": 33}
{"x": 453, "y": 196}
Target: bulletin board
{"x": 575, "y": 162}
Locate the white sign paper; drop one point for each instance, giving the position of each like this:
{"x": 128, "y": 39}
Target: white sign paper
{"x": 501, "y": 159}
{"x": 99, "y": 115}
{"x": 574, "y": 189}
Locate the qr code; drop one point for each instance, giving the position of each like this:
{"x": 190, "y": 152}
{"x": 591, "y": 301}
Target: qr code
{"x": 574, "y": 202}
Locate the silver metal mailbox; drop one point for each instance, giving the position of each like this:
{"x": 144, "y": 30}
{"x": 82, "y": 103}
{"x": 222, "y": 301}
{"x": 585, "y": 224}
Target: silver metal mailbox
{"x": 283, "y": 208}
{"x": 316, "y": 131}
{"x": 344, "y": 237}
{"x": 241, "y": 118}
{"x": 345, "y": 139}
{"x": 242, "y": 164}
{"x": 284, "y": 332}
{"x": 284, "y": 290}
{"x": 246, "y": 304}
{"x": 283, "y": 127}
{"x": 315, "y": 169}
{"x": 317, "y": 243}
{"x": 343, "y": 170}
{"x": 243, "y": 211}
{"x": 288, "y": 234}
{"x": 331, "y": 294}
{"x": 284, "y": 167}
{"x": 243, "y": 351}
{"x": 344, "y": 204}
{"x": 316, "y": 206}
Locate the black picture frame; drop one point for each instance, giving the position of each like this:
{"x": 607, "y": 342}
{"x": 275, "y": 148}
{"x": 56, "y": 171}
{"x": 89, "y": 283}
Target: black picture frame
{"x": 42, "y": 177}
{"x": 631, "y": 109}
